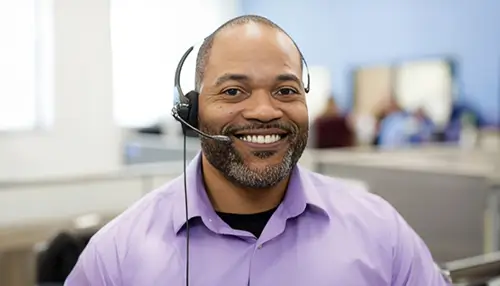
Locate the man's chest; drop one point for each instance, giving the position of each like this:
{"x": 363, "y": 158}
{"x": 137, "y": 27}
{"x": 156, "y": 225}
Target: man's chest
{"x": 293, "y": 258}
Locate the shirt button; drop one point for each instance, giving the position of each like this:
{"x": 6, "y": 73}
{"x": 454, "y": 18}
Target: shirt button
{"x": 260, "y": 246}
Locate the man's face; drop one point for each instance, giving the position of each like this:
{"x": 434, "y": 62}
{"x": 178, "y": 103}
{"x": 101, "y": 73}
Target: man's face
{"x": 252, "y": 92}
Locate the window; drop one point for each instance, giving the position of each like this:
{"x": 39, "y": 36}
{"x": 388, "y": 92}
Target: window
{"x": 148, "y": 38}
{"x": 427, "y": 85}
{"x": 321, "y": 90}
{"x": 22, "y": 39}
{"x": 17, "y": 64}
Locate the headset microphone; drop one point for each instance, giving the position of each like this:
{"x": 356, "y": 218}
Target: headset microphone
{"x": 176, "y": 115}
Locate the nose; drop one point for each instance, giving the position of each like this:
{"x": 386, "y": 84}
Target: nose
{"x": 261, "y": 106}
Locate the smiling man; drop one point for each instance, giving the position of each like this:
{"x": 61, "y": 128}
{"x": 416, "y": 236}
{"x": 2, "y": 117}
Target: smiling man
{"x": 256, "y": 217}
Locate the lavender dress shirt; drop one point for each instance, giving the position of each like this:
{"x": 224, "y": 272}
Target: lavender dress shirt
{"x": 324, "y": 233}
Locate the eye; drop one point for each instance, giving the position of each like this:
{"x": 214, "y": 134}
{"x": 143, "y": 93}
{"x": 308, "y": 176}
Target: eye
{"x": 231, "y": 91}
{"x": 286, "y": 91}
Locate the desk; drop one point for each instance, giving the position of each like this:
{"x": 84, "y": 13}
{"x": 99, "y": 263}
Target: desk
{"x": 441, "y": 191}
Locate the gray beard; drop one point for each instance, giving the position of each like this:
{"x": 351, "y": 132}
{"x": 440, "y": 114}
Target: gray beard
{"x": 268, "y": 177}
{"x": 225, "y": 158}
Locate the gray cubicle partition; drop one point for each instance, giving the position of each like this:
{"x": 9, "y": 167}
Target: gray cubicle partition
{"x": 136, "y": 154}
{"x": 494, "y": 209}
{"x": 447, "y": 211}
{"x": 156, "y": 149}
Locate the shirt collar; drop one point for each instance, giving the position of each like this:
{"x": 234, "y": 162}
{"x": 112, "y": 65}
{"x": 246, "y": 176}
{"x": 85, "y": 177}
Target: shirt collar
{"x": 303, "y": 193}
{"x": 300, "y": 194}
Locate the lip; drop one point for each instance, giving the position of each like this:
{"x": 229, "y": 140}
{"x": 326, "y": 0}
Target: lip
{"x": 271, "y": 131}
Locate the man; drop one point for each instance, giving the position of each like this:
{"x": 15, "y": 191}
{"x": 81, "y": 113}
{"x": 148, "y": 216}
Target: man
{"x": 256, "y": 218}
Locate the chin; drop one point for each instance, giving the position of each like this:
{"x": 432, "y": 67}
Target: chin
{"x": 268, "y": 156}
{"x": 260, "y": 170}
{"x": 261, "y": 165}
{"x": 261, "y": 161}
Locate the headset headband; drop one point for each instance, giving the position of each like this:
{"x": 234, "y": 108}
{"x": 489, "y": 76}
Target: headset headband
{"x": 177, "y": 78}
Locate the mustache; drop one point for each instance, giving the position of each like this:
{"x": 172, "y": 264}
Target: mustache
{"x": 287, "y": 127}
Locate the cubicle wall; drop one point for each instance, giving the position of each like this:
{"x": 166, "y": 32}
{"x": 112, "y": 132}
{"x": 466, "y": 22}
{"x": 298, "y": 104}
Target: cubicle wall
{"x": 446, "y": 210}
{"x": 144, "y": 149}
{"x": 29, "y": 202}
{"x": 442, "y": 191}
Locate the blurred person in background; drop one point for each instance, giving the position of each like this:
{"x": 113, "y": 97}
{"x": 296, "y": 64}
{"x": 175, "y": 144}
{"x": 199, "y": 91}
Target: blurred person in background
{"x": 255, "y": 216}
{"x": 385, "y": 110}
{"x": 425, "y": 128}
{"x": 400, "y": 128}
{"x": 463, "y": 124}
{"x": 332, "y": 129}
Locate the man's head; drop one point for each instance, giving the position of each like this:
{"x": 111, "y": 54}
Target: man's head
{"x": 249, "y": 75}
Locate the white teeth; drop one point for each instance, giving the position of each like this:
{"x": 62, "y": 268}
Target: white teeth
{"x": 261, "y": 139}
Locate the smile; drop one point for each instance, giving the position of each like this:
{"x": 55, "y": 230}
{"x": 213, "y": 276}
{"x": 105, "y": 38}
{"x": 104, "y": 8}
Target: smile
{"x": 261, "y": 139}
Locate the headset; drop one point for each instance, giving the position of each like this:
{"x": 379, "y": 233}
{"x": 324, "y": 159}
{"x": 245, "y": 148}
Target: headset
{"x": 186, "y": 112}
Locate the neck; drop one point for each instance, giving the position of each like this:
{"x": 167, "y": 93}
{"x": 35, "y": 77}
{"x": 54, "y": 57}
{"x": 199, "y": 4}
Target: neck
{"x": 229, "y": 198}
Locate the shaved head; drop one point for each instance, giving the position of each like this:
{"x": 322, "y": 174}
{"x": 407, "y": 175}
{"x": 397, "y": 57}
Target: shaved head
{"x": 252, "y": 22}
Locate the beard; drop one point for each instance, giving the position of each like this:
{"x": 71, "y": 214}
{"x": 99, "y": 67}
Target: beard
{"x": 230, "y": 162}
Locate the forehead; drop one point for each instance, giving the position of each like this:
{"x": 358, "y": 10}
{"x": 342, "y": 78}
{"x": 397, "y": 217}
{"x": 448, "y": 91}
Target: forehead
{"x": 253, "y": 49}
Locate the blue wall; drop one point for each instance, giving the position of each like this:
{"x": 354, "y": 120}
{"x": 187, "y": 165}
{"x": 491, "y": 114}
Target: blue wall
{"x": 342, "y": 34}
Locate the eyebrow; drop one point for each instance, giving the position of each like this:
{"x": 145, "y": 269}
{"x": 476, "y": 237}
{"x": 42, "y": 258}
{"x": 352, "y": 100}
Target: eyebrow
{"x": 241, "y": 77}
{"x": 231, "y": 77}
{"x": 288, "y": 77}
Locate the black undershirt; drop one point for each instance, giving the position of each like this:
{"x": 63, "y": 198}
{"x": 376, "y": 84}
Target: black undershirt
{"x": 253, "y": 223}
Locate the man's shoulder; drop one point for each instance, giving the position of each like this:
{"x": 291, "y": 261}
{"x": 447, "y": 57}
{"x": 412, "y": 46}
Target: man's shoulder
{"x": 351, "y": 205}
{"x": 155, "y": 208}
{"x": 350, "y": 197}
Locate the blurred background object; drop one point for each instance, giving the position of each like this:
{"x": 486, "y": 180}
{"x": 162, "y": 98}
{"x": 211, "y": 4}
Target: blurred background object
{"x": 405, "y": 100}
{"x": 332, "y": 129}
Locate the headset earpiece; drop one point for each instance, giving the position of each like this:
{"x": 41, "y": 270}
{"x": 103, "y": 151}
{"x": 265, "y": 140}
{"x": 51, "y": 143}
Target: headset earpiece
{"x": 192, "y": 114}
{"x": 187, "y": 111}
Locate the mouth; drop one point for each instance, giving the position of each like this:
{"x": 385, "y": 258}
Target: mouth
{"x": 262, "y": 137}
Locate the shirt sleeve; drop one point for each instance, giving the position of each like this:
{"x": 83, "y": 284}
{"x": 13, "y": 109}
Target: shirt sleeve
{"x": 91, "y": 270}
{"x": 413, "y": 264}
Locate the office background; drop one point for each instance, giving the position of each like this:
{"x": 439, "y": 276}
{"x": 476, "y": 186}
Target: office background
{"x": 345, "y": 34}
{"x": 78, "y": 78}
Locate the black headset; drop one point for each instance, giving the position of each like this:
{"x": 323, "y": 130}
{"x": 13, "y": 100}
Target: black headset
{"x": 186, "y": 110}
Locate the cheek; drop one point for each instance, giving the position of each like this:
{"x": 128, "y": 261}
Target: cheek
{"x": 208, "y": 113}
{"x": 214, "y": 116}
{"x": 299, "y": 115}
